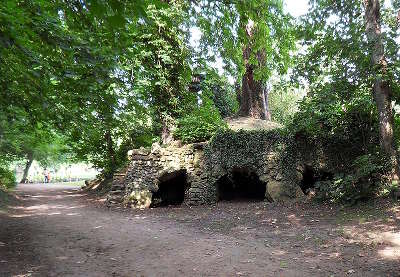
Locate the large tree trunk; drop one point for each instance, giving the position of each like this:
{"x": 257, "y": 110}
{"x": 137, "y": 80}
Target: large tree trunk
{"x": 381, "y": 88}
{"x": 252, "y": 98}
{"x": 167, "y": 129}
{"x": 266, "y": 105}
{"x": 110, "y": 152}
{"x": 27, "y": 167}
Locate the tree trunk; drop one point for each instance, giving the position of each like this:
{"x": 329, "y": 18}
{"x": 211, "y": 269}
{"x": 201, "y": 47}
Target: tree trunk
{"x": 252, "y": 98}
{"x": 166, "y": 132}
{"x": 110, "y": 152}
{"x": 381, "y": 88}
{"x": 266, "y": 105}
{"x": 27, "y": 167}
{"x": 398, "y": 18}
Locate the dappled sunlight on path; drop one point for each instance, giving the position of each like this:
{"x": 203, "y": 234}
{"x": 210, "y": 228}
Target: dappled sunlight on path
{"x": 32, "y": 202}
{"x": 392, "y": 248}
{"x": 59, "y": 231}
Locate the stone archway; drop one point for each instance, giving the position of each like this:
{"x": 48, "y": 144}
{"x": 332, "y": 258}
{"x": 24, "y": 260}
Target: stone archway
{"x": 310, "y": 176}
{"x": 241, "y": 184}
{"x": 171, "y": 189}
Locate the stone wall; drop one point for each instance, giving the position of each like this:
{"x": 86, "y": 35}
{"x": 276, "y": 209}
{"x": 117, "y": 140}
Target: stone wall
{"x": 203, "y": 165}
{"x": 255, "y": 151}
{"x": 137, "y": 183}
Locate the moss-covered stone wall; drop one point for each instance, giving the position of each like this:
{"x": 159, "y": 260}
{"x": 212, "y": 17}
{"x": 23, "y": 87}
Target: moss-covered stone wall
{"x": 258, "y": 153}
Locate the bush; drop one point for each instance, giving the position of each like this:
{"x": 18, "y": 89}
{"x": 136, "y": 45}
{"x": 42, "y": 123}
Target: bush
{"x": 201, "y": 124}
{"x": 219, "y": 90}
{"x": 7, "y": 178}
{"x": 336, "y": 129}
{"x": 284, "y": 102}
{"x": 362, "y": 182}
{"x": 224, "y": 98}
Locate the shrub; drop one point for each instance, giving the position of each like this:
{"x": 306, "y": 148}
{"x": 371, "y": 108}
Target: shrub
{"x": 7, "y": 178}
{"x": 362, "y": 182}
{"x": 220, "y": 91}
{"x": 224, "y": 98}
{"x": 201, "y": 124}
{"x": 284, "y": 102}
{"x": 336, "y": 129}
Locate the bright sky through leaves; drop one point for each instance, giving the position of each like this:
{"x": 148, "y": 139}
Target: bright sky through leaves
{"x": 296, "y": 7}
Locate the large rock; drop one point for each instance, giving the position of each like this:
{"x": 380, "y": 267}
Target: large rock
{"x": 275, "y": 190}
{"x": 139, "y": 199}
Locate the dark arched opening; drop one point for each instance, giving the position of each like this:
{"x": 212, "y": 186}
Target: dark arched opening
{"x": 311, "y": 177}
{"x": 241, "y": 185}
{"x": 171, "y": 189}
{"x": 308, "y": 180}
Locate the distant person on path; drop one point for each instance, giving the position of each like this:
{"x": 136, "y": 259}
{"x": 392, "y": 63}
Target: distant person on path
{"x": 46, "y": 175}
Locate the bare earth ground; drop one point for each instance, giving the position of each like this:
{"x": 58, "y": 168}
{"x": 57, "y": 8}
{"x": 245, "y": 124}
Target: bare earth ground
{"x": 55, "y": 230}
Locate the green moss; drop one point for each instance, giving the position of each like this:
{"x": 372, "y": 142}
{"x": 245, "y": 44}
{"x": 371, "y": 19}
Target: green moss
{"x": 231, "y": 149}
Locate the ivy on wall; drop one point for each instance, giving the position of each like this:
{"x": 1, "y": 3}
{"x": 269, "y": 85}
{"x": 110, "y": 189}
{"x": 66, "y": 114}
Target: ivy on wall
{"x": 351, "y": 176}
{"x": 230, "y": 149}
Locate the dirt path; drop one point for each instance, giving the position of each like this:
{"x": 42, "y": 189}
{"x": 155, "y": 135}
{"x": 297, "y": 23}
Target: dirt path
{"x": 54, "y": 230}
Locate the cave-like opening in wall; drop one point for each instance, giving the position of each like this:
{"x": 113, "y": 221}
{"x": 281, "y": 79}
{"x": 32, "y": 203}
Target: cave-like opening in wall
{"x": 311, "y": 177}
{"x": 241, "y": 185}
{"x": 171, "y": 189}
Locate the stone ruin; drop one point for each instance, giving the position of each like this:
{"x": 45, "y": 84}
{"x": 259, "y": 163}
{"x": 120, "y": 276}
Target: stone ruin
{"x": 182, "y": 174}
{"x": 162, "y": 176}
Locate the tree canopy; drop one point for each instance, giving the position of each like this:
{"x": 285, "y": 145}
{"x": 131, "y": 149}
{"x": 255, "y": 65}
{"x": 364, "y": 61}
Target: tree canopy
{"x": 89, "y": 80}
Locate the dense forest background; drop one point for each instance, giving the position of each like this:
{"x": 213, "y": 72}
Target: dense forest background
{"x": 89, "y": 80}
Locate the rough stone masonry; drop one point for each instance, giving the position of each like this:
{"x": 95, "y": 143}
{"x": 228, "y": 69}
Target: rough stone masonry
{"x": 147, "y": 180}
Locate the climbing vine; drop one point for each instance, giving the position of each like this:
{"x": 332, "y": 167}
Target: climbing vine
{"x": 231, "y": 149}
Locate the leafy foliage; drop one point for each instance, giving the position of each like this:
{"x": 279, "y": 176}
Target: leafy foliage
{"x": 65, "y": 70}
{"x": 201, "y": 124}
{"x": 221, "y": 92}
{"x": 283, "y": 101}
{"x": 157, "y": 61}
{"x": 342, "y": 139}
{"x": 7, "y": 178}
{"x": 338, "y": 112}
{"x": 366, "y": 177}
{"x": 223, "y": 25}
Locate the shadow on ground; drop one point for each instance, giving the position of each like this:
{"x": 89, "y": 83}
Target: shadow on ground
{"x": 56, "y": 230}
